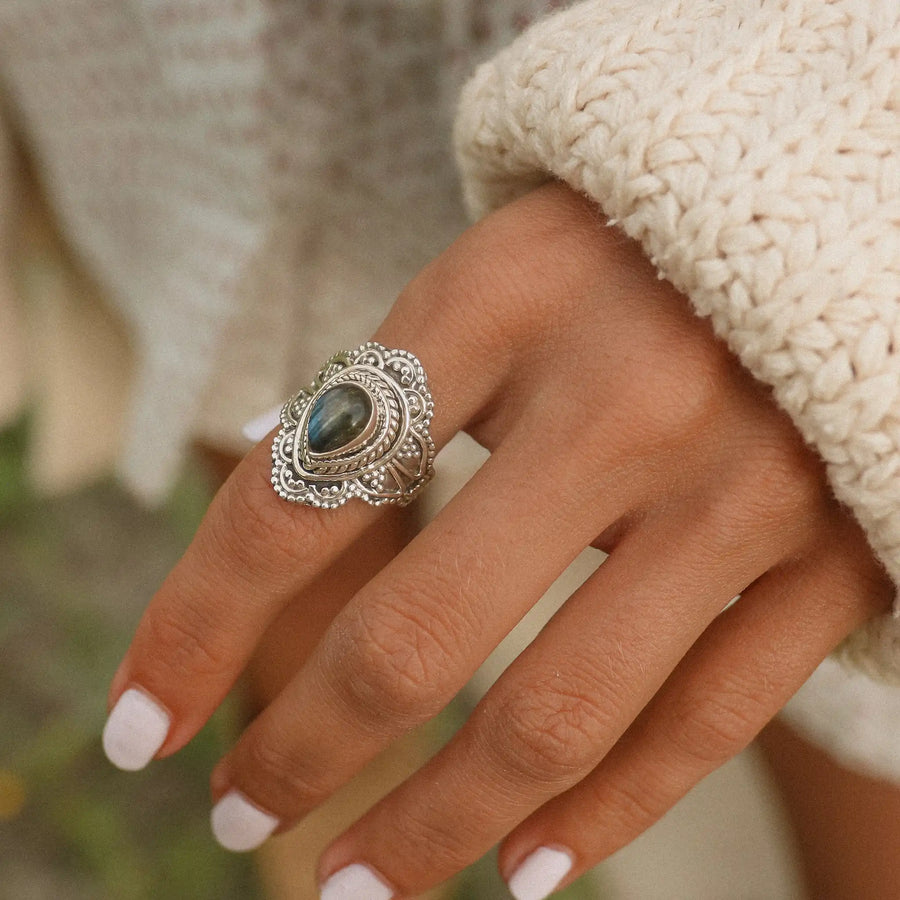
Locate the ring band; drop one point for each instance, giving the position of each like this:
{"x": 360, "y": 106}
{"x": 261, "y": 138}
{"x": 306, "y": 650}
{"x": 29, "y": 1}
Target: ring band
{"x": 359, "y": 430}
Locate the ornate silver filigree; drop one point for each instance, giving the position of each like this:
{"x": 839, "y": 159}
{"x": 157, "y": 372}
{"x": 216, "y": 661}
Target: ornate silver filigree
{"x": 388, "y": 461}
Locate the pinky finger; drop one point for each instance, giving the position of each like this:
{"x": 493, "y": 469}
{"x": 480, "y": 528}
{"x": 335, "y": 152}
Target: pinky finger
{"x": 744, "y": 668}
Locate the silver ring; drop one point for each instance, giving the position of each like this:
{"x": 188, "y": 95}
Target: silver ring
{"x": 359, "y": 430}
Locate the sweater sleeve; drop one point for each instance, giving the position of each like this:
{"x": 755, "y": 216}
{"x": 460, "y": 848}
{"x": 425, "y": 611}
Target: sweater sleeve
{"x": 753, "y": 149}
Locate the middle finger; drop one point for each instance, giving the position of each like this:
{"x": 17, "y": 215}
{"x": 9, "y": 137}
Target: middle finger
{"x": 410, "y": 639}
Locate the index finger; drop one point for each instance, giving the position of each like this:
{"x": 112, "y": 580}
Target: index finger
{"x": 253, "y": 552}
{"x": 250, "y": 556}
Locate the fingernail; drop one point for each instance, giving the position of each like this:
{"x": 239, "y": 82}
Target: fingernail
{"x": 238, "y": 825}
{"x": 256, "y": 429}
{"x": 539, "y": 874}
{"x": 355, "y": 882}
{"x": 134, "y": 731}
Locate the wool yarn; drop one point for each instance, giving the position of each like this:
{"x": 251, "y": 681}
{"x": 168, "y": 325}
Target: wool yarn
{"x": 753, "y": 149}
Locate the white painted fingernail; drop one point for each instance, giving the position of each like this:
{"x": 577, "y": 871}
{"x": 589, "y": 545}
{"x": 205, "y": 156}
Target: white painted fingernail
{"x": 539, "y": 875}
{"x": 238, "y": 825}
{"x": 256, "y": 429}
{"x": 135, "y": 730}
{"x": 355, "y": 882}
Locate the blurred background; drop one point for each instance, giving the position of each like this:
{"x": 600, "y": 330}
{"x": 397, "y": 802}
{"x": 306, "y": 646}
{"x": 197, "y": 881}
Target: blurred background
{"x": 79, "y": 558}
{"x": 75, "y": 573}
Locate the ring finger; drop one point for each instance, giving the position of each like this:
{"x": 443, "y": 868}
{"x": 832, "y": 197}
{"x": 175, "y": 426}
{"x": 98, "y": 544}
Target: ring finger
{"x": 556, "y": 711}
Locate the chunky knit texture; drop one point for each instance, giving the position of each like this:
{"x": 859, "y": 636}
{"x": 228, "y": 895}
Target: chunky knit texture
{"x": 753, "y": 148}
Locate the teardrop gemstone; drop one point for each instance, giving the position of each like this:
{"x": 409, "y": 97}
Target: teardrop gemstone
{"x": 338, "y": 417}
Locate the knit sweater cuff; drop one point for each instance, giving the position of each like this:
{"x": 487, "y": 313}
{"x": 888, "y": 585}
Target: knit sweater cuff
{"x": 751, "y": 148}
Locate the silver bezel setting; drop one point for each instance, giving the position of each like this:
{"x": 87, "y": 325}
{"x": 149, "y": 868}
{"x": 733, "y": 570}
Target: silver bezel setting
{"x": 390, "y": 461}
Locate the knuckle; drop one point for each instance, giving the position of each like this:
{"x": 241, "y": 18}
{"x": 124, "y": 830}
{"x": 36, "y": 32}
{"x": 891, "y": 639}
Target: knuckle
{"x": 254, "y": 533}
{"x": 547, "y": 735}
{"x": 789, "y": 486}
{"x": 782, "y": 492}
{"x": 859, "y": 587}
{"x": 867, "y": 588}
{"x": 247, "y": 503}
{"x": 715, "y": 726}
{"x": 672, "y": 403}
{"x": 184, "y": 644}
{"x": 635, "y": 804}
{"x": 537, "y": 255}
{"x": 691, "y": 403}
{"x": 395, "y": 654}
{"x": 268, "y": 760}
{"x": 437, "y": 843}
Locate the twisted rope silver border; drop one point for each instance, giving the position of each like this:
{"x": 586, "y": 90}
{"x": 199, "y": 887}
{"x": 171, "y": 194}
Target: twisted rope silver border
{"x": 390, "y": 465}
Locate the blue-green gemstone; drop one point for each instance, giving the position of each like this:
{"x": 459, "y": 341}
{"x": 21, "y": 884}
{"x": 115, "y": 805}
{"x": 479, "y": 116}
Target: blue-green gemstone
{"x": 338, "y": 417}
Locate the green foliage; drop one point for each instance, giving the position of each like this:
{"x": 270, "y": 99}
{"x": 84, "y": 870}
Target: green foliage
{"x": 74, "y": 576}
{"x": 14, "y": 491}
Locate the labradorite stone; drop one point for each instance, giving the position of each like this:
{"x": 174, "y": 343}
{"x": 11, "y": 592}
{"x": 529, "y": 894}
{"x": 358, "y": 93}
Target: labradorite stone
{"x": 337, "y": 417}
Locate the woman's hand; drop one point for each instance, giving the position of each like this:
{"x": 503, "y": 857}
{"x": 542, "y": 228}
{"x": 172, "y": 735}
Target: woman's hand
{"x": 614, "y": 418}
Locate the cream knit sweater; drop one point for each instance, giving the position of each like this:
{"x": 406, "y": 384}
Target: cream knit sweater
{"x": 753, "y": 148}
{"x": 240, "y": 176}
